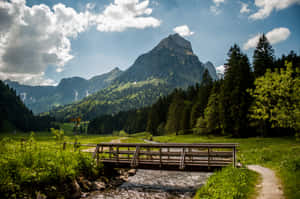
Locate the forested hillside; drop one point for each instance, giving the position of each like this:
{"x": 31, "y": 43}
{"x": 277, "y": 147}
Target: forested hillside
{"x": 171, "y": 64}
{"x": 259, "y": 100}
{"x": 15, "y": 116}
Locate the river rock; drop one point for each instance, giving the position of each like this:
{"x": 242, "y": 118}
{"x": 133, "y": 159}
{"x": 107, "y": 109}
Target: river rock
{"x": 124, "y": 178}
{"x": 98, "y": 185}
{"x": 131, "y": 172}
{"x": 85, "y": 184}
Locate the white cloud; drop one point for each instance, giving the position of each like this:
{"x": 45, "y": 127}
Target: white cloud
{"x": 59, "y": 70}
{"x": 183, "y": 30}
{"x": 220, "y": 71}
{"x": 32, "y": 38}
{"x": 90, "y": 6}
{"x": 218, "y": 2}
{"x": 215, "y": 9}
{"x": 274, "y": 36}
{"x": 244, "y": 8}
{"x": 123, "y": 14}
{"x": 28, "y": 78}
{"x": 267, "y": 6}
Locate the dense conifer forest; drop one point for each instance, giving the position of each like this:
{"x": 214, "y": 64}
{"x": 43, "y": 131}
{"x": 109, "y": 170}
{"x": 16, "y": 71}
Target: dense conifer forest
{"x": 14, "y": 115}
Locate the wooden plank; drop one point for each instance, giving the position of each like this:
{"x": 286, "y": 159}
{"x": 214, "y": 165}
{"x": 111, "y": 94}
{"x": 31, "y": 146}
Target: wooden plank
{"x": 182, "y": 159}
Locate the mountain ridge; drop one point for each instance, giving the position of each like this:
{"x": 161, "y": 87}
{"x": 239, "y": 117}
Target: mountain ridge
{"x": 170, "y": 64}
{"x": 43, "y": 98}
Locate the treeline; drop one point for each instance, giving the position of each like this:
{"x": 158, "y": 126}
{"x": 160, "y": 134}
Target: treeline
{"x": 259, "y": 100}
{"x": 14, "y": 115}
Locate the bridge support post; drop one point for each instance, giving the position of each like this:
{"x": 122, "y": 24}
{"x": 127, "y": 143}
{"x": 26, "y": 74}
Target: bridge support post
{"x": 234, "y": 156}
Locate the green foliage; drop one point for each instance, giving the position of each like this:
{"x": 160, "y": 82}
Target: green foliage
{"x": 228, "y": 184}
{"x": 276, "y": 98}
{"x": 59, "y": 135}
{"x": 28, "y": 167}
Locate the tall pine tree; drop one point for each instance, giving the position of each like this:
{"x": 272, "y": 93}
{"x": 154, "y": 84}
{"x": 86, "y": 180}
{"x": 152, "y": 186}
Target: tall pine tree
{"x": 263, "y": 56}
{"x": 235, "y": 100}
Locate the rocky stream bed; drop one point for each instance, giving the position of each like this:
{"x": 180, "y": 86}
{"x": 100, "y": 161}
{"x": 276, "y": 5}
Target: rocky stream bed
{"x": 153, "y": 184}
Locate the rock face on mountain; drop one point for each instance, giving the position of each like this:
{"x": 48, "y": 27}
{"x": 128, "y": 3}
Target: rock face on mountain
{"x": 43, "y": 98}
{"x": 171, "y": 64}
{"x": 172, "y": 60}
{"x": 211, "y": 69}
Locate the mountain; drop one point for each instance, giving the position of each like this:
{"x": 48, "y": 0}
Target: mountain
{"x": 211, "y": 69}
{"x": 172, "y": 60}
{"x": 171, "y": 64}
{"x": 43, "y": 98}
{"x": 15, "y": 115}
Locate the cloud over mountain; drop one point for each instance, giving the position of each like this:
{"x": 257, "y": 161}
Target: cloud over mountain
{"x": 183, "y": 30}
{"x": 32, "y": 38}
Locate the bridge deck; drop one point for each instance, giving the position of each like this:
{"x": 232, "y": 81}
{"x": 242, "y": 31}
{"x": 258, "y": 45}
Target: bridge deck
{"x": 178, "y": 156}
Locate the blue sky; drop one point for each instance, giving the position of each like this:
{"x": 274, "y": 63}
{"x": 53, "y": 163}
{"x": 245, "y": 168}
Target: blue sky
{"x": 213, "y": 26}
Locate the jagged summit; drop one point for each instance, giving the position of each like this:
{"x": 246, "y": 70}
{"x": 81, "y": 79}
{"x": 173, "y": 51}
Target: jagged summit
{"x": 175, "y": 43}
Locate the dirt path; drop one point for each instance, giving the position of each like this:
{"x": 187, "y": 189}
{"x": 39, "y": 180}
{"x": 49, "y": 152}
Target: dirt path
{"x": 270, "y": 187}
{"x": 105, "y": 148}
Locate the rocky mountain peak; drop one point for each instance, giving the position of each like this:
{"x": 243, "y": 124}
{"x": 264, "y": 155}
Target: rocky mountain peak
{"x": 175, "y": 43}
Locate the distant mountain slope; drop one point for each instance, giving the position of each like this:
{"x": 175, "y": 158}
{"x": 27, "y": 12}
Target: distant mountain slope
{"x": 171, "y": 64}
{"x": 15, "y": 115}
{"x": 43, "y": 98}
{"x": 172, "y": 60}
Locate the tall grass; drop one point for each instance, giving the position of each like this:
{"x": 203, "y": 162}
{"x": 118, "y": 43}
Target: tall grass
{"x": 28, "y": 167}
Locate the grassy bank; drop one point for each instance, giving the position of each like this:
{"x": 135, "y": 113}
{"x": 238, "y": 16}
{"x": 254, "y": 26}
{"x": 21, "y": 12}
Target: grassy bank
{"x": 229, "y": 183}
{"x": 279, "y": 154}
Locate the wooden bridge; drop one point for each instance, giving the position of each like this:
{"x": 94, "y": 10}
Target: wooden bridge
{"x": 167, "y": 156}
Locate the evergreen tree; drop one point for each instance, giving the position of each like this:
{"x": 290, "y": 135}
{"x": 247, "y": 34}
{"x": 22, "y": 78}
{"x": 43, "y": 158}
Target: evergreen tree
{"x": 185, "y": 117}
{"x": 201, "y": 99}
{"x": 174, "y": 113}
{"x": 263, "y": 56}
{"x": 235, "y": 101}
{"x": 212, "y": 110}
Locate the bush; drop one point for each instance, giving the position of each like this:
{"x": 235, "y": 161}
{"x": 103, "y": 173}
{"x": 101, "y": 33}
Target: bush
{"x": 229, "y": 183}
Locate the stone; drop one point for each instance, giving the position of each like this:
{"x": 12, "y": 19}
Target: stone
{"x": 131, "y": 172}
{"x": 124, "y": 178}
{"x": 98, "y": 185}
{"x": 85, "y": 184}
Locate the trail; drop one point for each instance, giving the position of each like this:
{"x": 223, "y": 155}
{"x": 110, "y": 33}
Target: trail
{"x": 270, "y": 187}
{"x": 105, "y": 148}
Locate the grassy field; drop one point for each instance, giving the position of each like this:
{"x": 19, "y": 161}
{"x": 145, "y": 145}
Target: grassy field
{"x": 280, "y": 154}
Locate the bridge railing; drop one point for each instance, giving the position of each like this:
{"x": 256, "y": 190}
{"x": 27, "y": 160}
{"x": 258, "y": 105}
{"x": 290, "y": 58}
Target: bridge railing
{"x": 139, "y": 155}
